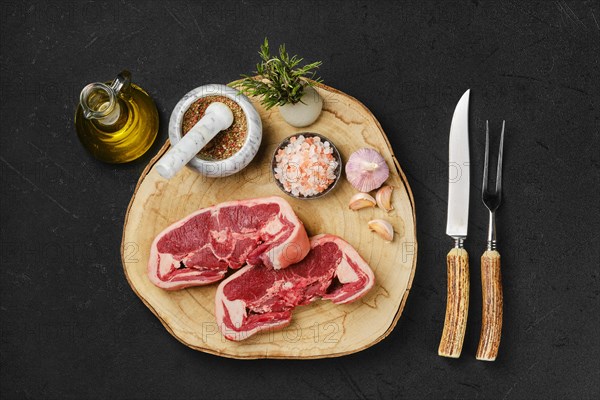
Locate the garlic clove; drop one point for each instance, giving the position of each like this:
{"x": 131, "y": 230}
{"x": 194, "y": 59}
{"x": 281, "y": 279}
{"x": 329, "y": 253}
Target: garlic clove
{"x": 361, "y": 200}
{"x": 382, "y": 228}
{"x": 384, "y": 198}
{"x": 366, "y": 170}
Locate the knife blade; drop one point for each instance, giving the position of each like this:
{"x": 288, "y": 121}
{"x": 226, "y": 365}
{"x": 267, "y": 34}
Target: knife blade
{"x": 457, "y": 299}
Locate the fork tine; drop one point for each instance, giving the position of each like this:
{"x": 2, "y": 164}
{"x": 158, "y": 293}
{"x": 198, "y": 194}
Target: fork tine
{"x": 487, "y": 156}
{"x": 499, "y": 171}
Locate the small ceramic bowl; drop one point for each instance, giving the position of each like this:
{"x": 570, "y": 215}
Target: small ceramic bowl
{"x": 235, "y": 163}
{"x": 336, "y": 156}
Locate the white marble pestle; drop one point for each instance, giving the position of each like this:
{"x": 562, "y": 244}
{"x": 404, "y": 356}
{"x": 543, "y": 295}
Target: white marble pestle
{"x": 217, "y": 117}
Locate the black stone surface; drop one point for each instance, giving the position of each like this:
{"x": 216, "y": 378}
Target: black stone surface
{"x": 72, "y": 327}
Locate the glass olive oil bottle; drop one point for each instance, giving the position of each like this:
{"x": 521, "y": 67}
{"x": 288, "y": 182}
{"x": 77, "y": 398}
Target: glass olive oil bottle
{"x": 116, "y": 121}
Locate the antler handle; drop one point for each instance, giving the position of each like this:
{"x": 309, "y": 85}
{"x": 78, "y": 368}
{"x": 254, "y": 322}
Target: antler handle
{"x": 491, "y": 324}
{"x": 457, "y": 306}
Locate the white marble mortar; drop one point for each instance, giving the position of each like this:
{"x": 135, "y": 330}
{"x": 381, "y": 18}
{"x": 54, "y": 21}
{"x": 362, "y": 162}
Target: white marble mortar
{"x": 235, "y": 163}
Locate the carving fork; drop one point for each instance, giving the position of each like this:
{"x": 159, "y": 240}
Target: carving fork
{"x": 491, "y": 278}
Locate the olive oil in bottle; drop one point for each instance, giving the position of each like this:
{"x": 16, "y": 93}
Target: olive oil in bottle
{"x": 117, "y": 121}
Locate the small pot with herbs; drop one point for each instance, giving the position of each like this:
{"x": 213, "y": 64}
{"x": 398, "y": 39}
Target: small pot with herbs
{"x": 280, "y": 81}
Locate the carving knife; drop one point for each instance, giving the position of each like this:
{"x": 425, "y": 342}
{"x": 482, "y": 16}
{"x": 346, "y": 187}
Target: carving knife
{"x": 457, "y": 302}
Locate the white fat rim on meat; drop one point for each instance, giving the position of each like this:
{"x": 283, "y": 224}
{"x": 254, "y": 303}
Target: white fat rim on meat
{"x": 243, "y": 335}
{"x": 236, "y": 310}
{"x": 344, "y": 272}
{"x": 167, "y": 261}
{"x": 277, "y": 253}
{"x": 222, "y": 302}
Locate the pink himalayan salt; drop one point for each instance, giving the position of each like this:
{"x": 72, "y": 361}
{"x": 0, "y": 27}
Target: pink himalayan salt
{"x": 306, "y": 166}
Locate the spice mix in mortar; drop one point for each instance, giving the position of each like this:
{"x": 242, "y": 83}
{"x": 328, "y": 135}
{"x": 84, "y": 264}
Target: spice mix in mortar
{"x": 227, "y": 142}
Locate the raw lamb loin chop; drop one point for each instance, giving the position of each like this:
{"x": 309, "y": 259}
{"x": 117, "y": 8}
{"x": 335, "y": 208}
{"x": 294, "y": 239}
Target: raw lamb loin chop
{"x": 257, "y": 297}
{"x": 199, "y": 249}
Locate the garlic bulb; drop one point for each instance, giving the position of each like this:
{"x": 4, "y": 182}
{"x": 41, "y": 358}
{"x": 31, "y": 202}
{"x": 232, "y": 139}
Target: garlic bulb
{"x": 361, "y": 200}
{"x": 384, "y": 198}
{"x": 366, "y": 170}
{"x": 382, "y": 228}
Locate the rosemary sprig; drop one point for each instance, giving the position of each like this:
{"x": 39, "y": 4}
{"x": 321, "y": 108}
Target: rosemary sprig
{"x": 280, "y": 79}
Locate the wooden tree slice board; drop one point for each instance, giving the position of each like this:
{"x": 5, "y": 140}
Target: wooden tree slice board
{"x": 321, "y": 329}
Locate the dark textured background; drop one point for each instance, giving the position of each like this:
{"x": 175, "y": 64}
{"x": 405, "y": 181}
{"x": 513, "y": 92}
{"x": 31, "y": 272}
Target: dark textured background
{"x": 72, "y": 327}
